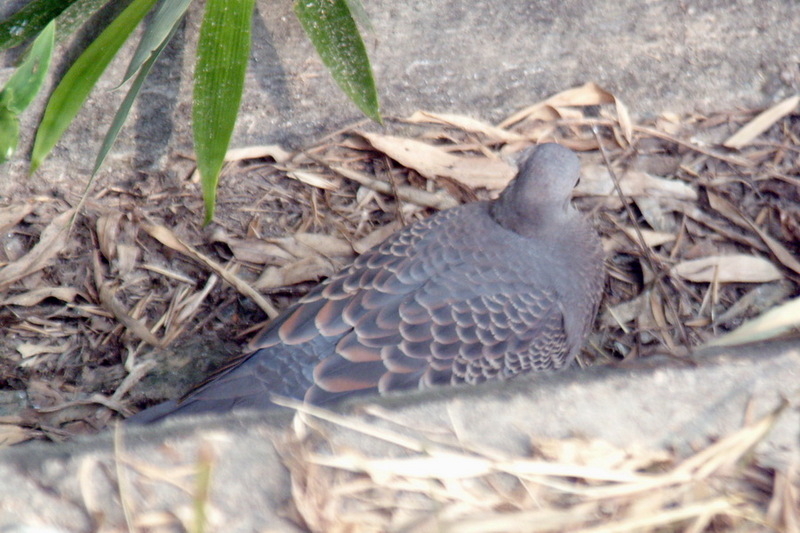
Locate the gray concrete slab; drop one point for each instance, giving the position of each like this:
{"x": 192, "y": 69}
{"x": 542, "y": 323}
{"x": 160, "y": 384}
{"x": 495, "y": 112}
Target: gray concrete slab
{"x": 675, "y": 406}
{"x": 482, "y": 58}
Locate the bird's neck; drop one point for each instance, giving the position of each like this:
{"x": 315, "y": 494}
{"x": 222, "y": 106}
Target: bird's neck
{"x": 538, "y": 219}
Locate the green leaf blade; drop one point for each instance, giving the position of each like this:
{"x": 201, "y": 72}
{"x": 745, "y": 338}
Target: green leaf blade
{"x": 29, "y": 76}
{"x": 21, "y": 89}
{"x": 331, "y": 28}
{"x": 9, "y": 134}
{"x": 222, "y": 53}
{"x": 164, "y": 23}
{"x": 127, "y": 103}
{"x": 74, "y": 88}
{"x": 29, "y": 21}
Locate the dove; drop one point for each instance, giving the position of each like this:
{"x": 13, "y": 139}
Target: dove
{"x": 481, "y": 292}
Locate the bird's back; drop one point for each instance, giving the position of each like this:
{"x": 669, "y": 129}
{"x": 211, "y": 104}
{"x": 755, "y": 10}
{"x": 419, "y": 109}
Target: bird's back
{"x": 455, "y": 298}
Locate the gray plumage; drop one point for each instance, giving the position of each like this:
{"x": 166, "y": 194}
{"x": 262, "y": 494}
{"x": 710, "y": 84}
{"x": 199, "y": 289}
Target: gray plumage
{"x": 484, "y": 291}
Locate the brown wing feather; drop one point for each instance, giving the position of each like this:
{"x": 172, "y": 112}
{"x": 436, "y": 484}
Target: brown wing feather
{"x": 462, "y": 317}
{"x": 414, "y": 313}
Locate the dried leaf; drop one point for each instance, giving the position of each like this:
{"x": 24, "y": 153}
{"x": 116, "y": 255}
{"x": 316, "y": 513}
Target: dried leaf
{"x": 108, "y": 229}
{"x": 167, "y": 238}
{"x": 432, "y": 162}
{"x": 311, "y": 268}
{"x": 757, "y": 300}
{"x": 255, "y": 251}
{"x": 11, "y": 216}
{"x": 628, "y": 239}
{"x": 651, "y": 238}
{"x": 28, "y": 349}
{"x": 407, "y": 194}
{"x": 376, "y": 237}
{"x": 128, "y": 258}
{"x": 35, "y": 296}
{"x": 659, "y": 216}
{"x": 257, "y": 152}
{"x": 773, "y": 323}
{"x": 52, "y": 240}
{"x": 585, "y": 95}
{"x": 739, "y": 268}
{"x": 313, "y": 179}
{"x": 762, "y": 123}
{"x": 326, "y": 245}
{"x": 467, "y": 124}
{"x": 189, "y": 307}
{"x": 439, "y": 466}
{"x": 624, "y": 119}
{"x": 596, "y": 181}
{"x": 726, "y": 209}
{"x": 138, "y": 327}
{"x": 11, "y": 434}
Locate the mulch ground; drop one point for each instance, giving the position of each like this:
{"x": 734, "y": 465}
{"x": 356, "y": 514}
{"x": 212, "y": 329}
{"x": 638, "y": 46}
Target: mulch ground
{"x": 129, "y": 299}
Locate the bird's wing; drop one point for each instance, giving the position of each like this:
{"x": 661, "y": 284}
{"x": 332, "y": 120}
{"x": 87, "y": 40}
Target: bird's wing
{"x": 440, "y": 302}
{"x": 443, "y": 302}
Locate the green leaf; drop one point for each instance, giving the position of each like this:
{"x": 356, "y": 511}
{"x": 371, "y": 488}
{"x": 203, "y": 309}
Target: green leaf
{"x": 360, "y": 14}
{"x": 80, "y": 11}
{"x": 29, "y": 21}
{"x": 332, "y": 30}
{"x": 68, "y": 97}
{"x": 161, "y": 29}
{"x": 21, "y": 89}
{"x": 29, "y": 76}
{"x": 222, "y": 53}
{"x": 9, "y": 134}
{"x": 127, "y": 103}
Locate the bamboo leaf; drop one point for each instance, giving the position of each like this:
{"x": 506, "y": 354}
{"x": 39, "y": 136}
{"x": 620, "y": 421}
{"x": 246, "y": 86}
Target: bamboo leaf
{"x": 332, "y": 30}
{"x": 160, "y": 31}
{"x": 22, "y": 88}
{"x": 69, "y": 96}
{"x": 771, "y": 324}
{"x": 9, "y": 134}
{"x": 360, "y": 14}
{"x": 127, "y": 103}
{"x": 29, "y": 21}
{"x": 79, "y": 12}
{"x": 29, "y": 76}
{"x": 222, "y": 53}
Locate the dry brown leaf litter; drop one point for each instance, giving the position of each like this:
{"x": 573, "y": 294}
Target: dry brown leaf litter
{"x": 712, "y": 228}
{"x": 701, "y": 239}
{"x": 566, "y": 485}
